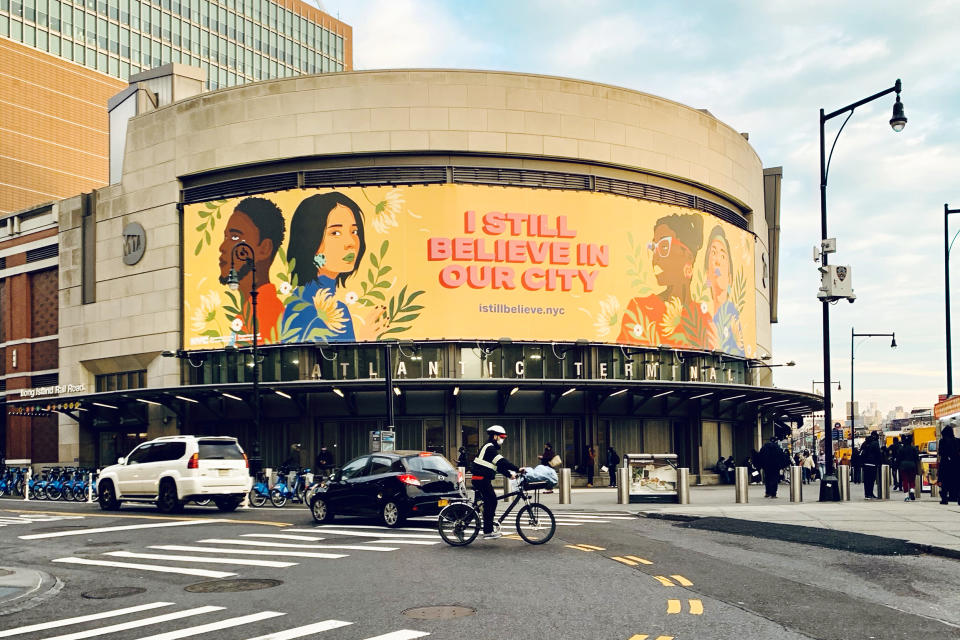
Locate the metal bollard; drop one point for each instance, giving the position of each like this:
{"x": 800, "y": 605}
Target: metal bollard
{"x": 796, "y": 484}
{"x": 886, "y": 481}
{"x": 844, "y": 473}
{"x": 89, "y": 488}
{"x": 565, "y": 482}
{"x": 742, "y": 490}
{"x": 623, "y": 485}
{"x": 26, "y": 483}
{"x": 683, "y": 486}
{"x": 918, "y": 487}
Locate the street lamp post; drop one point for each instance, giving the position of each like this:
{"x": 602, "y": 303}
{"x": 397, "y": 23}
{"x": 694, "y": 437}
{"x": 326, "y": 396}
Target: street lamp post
{"x": 828, "y": 485}
{"x": 946, "y": 279}
{"x": 893, "y": 345}
{"x": 813, "y": 389}
{"x": 243, "y": 252}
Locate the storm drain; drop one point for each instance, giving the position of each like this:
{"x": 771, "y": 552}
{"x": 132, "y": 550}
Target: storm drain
{"x": 112, "y": 592}
{"x": 440, "y": 612}
{"x": 231, "y": 586}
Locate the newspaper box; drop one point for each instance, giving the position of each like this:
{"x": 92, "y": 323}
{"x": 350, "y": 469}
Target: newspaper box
{"x": 653, "y": 477}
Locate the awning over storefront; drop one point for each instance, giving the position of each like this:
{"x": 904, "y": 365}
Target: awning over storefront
{"x": 367, "y": 398}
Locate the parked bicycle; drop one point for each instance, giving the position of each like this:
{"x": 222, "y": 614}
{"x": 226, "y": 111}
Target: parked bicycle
{"x": 460, "y": 522}
{"x": 295, "y": 492}
{"x": 260, "y": 492}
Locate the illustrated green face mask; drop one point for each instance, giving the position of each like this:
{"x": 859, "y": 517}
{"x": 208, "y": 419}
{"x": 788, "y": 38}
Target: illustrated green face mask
{"x": 319, "y": 260}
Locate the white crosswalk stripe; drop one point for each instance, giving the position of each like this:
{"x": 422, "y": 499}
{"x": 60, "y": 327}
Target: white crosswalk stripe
{"x": 369, "y": 534}
{"x": 284, "y": 545}
{"x": 281, "y": 536}
{"x": 252, "y": 552}
{"x": 66, "y": 622}
{"x": 207, "y": 573}
{"x": 129, "y": 527}
{"x": 398, "y": 541}
{"x": 174, "y": 558}
{"x": 135, "y": 624}
{"x": 125, "y": 619}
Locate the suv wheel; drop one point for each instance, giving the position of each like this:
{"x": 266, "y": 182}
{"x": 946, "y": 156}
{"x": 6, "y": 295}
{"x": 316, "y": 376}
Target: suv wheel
{"x": 227, "y": 504}
{"x": 167, "y": 501}
{"x": 107, "y": 498}
{"x": 391, "y": 514}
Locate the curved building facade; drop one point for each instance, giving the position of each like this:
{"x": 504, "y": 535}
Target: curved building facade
{"x": 436, "y": 250}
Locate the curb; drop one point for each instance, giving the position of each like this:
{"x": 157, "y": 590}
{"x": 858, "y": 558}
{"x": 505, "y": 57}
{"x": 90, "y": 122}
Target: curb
{"x": 27, "y": 589}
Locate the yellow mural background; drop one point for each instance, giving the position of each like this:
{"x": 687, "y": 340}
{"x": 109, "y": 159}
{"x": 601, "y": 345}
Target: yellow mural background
{"x": 407, "y": 217}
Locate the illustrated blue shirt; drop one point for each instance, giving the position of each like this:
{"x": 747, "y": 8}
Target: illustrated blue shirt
{"x": 312, "y": 314}
{"x": 726, "y": 318}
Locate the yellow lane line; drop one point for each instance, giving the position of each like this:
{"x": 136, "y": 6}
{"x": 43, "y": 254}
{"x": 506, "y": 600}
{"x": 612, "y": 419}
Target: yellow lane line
{"x": 674, "y": 606}
{"x": 579, "y": 547}
{"x": 665, "y": 581}
{"x": 696, "y": 607}
{"x": 592, "y": 547}
{"x": 638, "y": 560}
{"x": 145, "y": 517}
{"x": 640, "y": 636}
{"x": 629, "y": 563}
{"x": 683, "y": 581}
{"x": 513, "y": 537}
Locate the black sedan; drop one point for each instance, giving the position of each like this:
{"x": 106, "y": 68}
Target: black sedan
{"x": 391, "y": 485}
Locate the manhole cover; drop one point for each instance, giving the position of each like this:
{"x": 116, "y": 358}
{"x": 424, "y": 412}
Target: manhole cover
{"x": 442, "y": 612}
{"x": 112, "y": 592}
{"x": 229, "y": 586}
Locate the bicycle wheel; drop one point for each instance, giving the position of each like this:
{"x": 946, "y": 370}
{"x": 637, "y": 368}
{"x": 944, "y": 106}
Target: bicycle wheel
{"x": 535, "y": 523}
{"x": 257, "y": 499}
{"x": 458, "y": 524}
{"x": 277, "y": 498}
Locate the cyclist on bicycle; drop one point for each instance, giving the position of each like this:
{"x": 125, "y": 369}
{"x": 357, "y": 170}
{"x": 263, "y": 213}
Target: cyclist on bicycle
{"x": 484, "y": 468}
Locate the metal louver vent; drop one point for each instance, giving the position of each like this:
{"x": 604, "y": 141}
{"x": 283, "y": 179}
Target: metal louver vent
{"x": 3, "y": 262}
{"x": 46, "y": 380}
{"x": 375, "y": 175}
{"x": 241, "y": 187}
{"x": 521, "y": 178}
{"x": 43, "y": 253}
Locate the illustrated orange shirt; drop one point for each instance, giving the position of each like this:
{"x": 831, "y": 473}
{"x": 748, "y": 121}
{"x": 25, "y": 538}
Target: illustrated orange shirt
{"x": 651, "y": 321}
{"x": 269, "y": 310}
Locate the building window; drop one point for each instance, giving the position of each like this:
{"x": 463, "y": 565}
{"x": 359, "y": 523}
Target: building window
{"x": 121, "y": 380}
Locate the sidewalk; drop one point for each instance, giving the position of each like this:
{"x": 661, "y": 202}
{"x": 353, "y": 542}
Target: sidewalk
{"x": 924, "y": 523}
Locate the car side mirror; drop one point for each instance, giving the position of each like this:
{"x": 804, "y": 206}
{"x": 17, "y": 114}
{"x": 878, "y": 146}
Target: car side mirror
{"x": 121, "y": 461}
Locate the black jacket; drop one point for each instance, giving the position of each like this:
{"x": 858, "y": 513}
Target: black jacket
{"x": 870, "y": 452}
{"x": 772, "y": 457}
{"x": 489, "y": 461}
{"x": 908, "y": 458}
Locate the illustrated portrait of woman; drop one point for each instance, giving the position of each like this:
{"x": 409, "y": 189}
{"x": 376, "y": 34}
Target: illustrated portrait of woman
{"x": 326, "y": 248}
{"x": 671, "y": 317}
{"x": 719, "y": 277}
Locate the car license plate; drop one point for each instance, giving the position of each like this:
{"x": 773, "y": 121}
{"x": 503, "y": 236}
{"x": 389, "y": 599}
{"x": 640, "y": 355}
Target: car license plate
{"x": 442, "y": 503}
{"x": 224, "y": 472}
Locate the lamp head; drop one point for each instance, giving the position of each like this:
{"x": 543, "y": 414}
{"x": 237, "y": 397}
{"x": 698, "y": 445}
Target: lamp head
{"x": 233, "y": 279}
{"x": 791, "y": 363}
{"x": 898, "y": 121}
{"x": 893, "y": 341}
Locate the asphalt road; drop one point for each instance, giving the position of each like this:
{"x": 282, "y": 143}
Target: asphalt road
{"x": 638, "y": 578}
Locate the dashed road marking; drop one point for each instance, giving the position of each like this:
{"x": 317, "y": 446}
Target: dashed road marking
{"x": 683, "y": 581}
{"x": 676, "y": 606}
{"x": 638, "y": 560}
{"x": 665, "y": 581}
{"x": 696, "y": 607}
{"x": 583, "y": 547}
{"x": 641, "y": 636}
{"x": 146, "y": 567}
{"x": 629, "y": 563}
{"x": 128, "y": 527}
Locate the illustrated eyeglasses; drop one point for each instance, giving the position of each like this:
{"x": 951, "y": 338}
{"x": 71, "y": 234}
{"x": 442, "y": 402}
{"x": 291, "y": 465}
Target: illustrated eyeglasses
{"x": 662, "y": 246}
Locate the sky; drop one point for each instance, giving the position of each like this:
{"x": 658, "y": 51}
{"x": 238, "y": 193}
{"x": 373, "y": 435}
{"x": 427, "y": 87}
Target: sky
{"x": 766, "y": 68}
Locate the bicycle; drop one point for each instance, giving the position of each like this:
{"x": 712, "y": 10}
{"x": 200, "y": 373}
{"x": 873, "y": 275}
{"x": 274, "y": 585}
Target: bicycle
{"x": 460, "y": 522}
{"x": 295, "y": 492}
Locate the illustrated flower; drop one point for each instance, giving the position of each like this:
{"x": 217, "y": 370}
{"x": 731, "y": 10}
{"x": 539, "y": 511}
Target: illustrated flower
{"x": 703, "y": 307}
{"x": 385, "y": 212}
{"x": 351, "y": 297}
{"x": 285, "y": 288}
{"x": 608, "y": 317}
{"x": 637, "y": 331}
{"x": 328, "y": 312}
{"x": 672, "y": 315}
{"x": 236, "y": 325}
{"x": 206, "y": 311}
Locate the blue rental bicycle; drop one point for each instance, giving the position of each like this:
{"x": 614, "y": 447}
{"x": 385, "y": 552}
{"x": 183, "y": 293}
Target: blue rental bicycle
{"x": 295, "y": 492}
{"x": 260, "y": 492}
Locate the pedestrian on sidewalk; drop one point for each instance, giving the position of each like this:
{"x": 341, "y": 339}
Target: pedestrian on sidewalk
{"x": 772, "y": 460}
{"x": 808, "y": 467}
{"x": 948, "y": 466}
{"x": 908, "y": 457}
{"x": 894, "y": 452}
{"x": 590, "y": 461}
{"x": 612, "y": 461}
{"x": 872, "y": 457}
{"x": 856, "y": 464}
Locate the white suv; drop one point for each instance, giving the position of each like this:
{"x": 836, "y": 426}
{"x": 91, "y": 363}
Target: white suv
{"x": 174, "y": 469}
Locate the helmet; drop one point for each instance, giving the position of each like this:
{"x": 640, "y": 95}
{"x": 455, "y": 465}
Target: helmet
{"x": 497, "y": 430}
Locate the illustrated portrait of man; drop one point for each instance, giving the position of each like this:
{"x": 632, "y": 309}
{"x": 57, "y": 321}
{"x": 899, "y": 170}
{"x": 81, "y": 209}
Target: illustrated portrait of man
{"x": 259, "y": 223}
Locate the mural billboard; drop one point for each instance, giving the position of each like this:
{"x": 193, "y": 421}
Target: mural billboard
{"x": 467, "y": 262}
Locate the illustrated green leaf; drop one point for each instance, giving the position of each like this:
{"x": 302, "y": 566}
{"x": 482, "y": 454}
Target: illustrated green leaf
{"x": 376, "y": 294}
{"x": 407, "y": 318}
{"x": 394, "y": 330}
{"x": 211, "y": 205}
{"x": 363, "y": 287}
{"x": 412, "y": 307}
{"x": 201, "y": 226}
{"x": 383, "y": 248}
{"x": 196, "y": 251}
{"x": 370, "y": 275}
{"x": 211, "y": 333}
{"x": 232, "y": 310}
{"x": 206, "y": 234}
{"x": 213, "y": 223}
{"x": 374, "y": 262}
{"x": 383, "y": 284}
{"x": 390, "y": 309}
{"x": 403, "y": 292}
{"x": 414, "y": 295}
